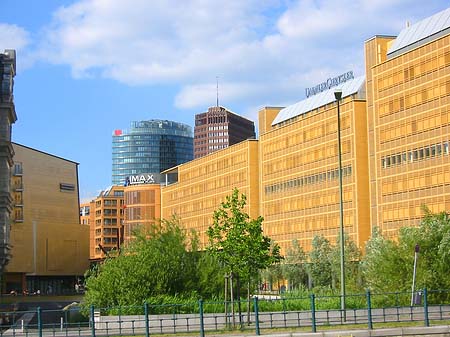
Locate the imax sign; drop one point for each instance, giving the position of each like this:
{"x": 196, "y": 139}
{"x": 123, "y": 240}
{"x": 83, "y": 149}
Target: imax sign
{"x": 146, "y": 178}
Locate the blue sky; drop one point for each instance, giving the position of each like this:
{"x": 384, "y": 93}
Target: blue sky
{"x": 88, "y": 67}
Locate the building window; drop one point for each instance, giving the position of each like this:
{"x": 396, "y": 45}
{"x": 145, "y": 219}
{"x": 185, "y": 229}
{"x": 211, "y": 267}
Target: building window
{"x": 66, "y": 187}
{"x": 17, "y": 169}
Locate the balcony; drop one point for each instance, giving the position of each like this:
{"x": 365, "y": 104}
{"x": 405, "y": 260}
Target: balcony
{"x": 18, "y": 188}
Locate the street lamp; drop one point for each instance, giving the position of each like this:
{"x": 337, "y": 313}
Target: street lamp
{"x": 338, "y": 96}
{"x": 416, "y": 253}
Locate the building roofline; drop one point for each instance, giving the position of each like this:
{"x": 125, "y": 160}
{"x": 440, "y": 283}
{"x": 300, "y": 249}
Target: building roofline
{"x": 228, "y": 110}
{"x": 175, "y": 168}
{"x": 381, "y": 36}
{"x": 46, "y": 153}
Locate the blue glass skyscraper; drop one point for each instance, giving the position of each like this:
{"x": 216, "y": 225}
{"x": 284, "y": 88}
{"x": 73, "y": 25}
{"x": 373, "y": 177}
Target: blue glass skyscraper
{"x": 150, "y": 147}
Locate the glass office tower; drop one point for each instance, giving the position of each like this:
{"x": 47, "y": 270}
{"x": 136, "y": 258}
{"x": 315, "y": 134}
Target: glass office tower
{"x": 150, "y": 147}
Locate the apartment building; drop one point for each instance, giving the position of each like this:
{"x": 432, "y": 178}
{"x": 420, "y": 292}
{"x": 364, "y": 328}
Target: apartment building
{"x": 106, "y": 214}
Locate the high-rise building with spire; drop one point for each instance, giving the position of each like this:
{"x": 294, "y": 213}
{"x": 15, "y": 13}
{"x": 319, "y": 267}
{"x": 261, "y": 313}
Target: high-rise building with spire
{"x": 219, "y": 128}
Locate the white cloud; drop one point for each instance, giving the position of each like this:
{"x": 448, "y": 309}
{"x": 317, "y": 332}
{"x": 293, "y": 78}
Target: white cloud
{"x": 263, "y": 50}
{"x": 13, "y": 37}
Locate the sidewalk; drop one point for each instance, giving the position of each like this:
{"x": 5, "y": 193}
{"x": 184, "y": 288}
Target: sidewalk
{"x": 434, "y": 331}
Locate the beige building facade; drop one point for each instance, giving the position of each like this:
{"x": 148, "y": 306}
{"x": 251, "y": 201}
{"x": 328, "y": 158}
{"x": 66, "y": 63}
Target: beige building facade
{"x": 50, "y": 248}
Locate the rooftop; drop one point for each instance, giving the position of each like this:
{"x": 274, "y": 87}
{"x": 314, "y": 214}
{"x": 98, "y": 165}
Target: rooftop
{"x": 421, "y": 32}
{"x": 353, "y": 86}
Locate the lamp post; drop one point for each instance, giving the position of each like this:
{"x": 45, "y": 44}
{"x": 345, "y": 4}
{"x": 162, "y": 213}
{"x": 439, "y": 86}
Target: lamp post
{"x": 338, "y": 96}
{"x": 416, "y": 253}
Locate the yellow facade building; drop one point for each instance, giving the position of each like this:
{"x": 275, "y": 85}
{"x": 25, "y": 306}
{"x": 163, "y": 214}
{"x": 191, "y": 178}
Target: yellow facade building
{"x": 50, "y": 248}
{"x": 299, "y": 168}
{"x": 205, "y": 182}
{"x": 395, "y": 137}
{"x": 408, "y": 91}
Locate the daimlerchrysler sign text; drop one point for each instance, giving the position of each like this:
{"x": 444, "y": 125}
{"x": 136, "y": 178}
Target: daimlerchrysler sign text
{"x": 331, "y": 82}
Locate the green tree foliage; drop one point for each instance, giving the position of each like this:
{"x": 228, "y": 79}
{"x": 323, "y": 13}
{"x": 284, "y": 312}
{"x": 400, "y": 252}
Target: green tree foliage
{"x": 320, "y": 264}
{"x": 237, "y": 241}
{"x": 388, "y": 265}
{"x": 352, "y": 257}
{"x": 210, "y": 276}
{"x": 384, "y": 267}
{"x": 295, "y": 266}
{"x": 273, "y": 275}
{"x": 159, "y": 261}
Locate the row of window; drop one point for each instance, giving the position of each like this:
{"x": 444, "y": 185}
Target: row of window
{"x": 236, "y": 160}
{"x": 413, "y": 71}
{"x": 432, "y": 120}
{"x": 308, "y": 134}
{"x": 426, "y": 152}
{"x": 210, "y": 185}
{"x": 107, "y": 212}
{"x": 394, "y": 188}
{"x": 315, "y": 202}
{"x": 413, "y": 98}
{"x": 308, "y": 180}
{"x": 106, "y": 222}
{"x": 307, "y": 157}
{"x": 106, "y": 231}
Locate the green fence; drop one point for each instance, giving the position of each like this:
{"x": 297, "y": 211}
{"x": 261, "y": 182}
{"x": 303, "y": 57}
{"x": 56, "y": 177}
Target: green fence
{"x": 311, "y": 313}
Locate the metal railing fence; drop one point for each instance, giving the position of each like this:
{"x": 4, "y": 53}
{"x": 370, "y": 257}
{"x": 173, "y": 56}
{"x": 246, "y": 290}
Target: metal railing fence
{"x": 311, "y": 312}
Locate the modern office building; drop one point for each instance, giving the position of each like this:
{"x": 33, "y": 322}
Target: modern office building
{"x": 205, "y": 182}
{"x": 299, "y": 167}
{"x": 408, "y": 95}
{"x": 150, "y": 146}
{"x": 219, "y": 128}
{"x": 7, "y": 118}
{"x": 106, "y": 222}
{"x": 142, "y": 203}
{"x": 395, "y": 134}
{"x": 50, "y": 248}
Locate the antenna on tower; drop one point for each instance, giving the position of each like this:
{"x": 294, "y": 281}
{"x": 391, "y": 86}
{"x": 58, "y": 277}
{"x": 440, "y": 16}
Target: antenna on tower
{"x": 217, "y": 91}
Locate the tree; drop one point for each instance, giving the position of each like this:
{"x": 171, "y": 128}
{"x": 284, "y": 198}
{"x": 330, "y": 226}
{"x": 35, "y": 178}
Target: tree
{"x": 210, "y": 276}
{"x": 295, "y": 266}
{"x": 384, "y": 267}
{"x": 388, "y": 265}
{"x": 320, "y": 266}
{"x": 352, "y": 256}
{"x": 238, "y": 242}
{"x": 159, "y": 261}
